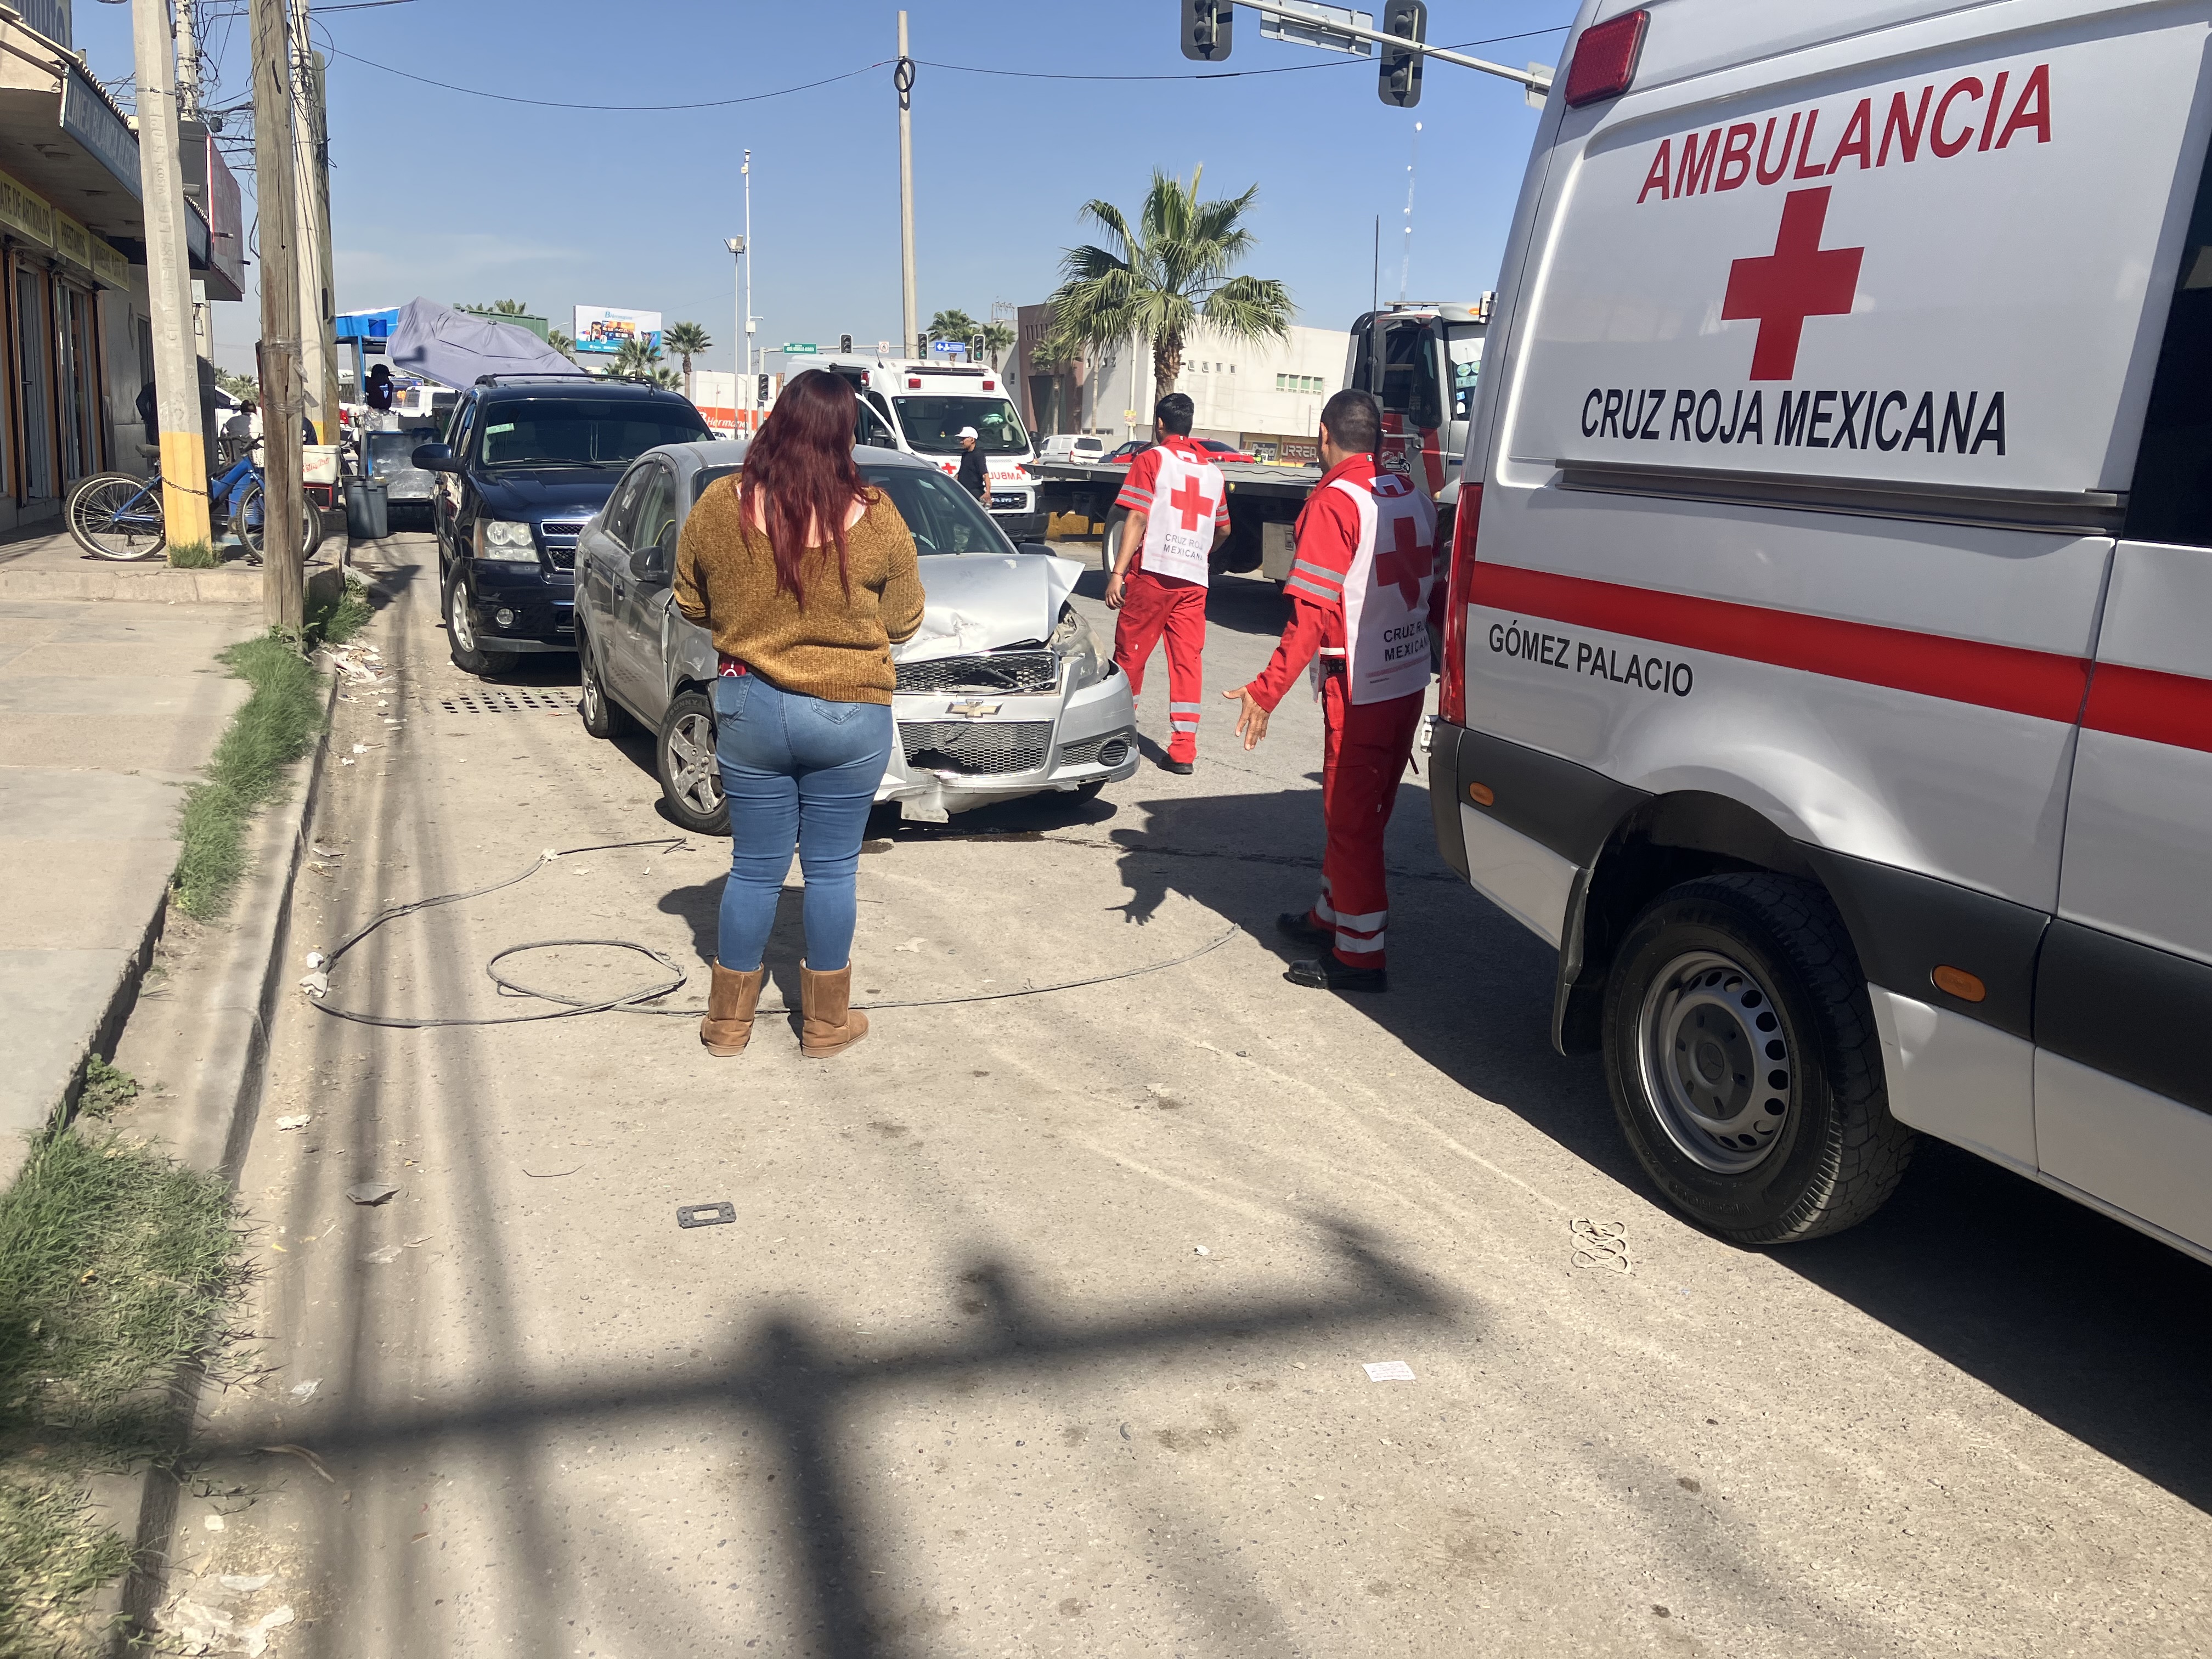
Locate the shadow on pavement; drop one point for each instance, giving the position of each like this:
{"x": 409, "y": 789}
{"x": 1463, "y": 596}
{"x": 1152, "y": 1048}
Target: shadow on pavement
{"x": 2089, "y": 1324}
{"x": 795, "y": 1378}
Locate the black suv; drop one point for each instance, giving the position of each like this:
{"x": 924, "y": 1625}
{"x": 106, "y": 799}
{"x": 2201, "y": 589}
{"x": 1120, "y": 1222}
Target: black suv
{"x": 526, "y": 461}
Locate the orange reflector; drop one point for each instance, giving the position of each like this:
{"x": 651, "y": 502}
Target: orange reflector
{"x": 1958, "y": 982}
{"x": 1481, "y": 794}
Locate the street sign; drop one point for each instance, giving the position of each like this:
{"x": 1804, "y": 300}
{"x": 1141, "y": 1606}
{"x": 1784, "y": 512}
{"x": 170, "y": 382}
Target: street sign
{"x": 1308, "y": 23}
{"x": 800, "y": 348}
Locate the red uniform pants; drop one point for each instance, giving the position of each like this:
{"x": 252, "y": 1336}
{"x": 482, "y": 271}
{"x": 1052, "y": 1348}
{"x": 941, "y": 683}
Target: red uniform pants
{"x": 1153, "y": 605}
{"x": 1363, "y": 757}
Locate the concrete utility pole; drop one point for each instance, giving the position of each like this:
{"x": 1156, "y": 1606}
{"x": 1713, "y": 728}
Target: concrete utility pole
{"x": 752, "y": 392}
{"x": 283, "y": 602}
{"x": 188, "y": 109}
{"x": 902, "y": 78}
{"x": 169, "y": 278}
{"x": 741, "y": 356}
{"x": 311, "y": 208}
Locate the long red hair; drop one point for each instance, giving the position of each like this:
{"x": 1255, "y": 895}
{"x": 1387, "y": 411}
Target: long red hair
{"x": 800, "y": 470}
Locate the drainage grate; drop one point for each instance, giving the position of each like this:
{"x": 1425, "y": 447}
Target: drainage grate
{"x": 507, "y": 703}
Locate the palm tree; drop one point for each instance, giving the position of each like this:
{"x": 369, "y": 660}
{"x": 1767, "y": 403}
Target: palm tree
{"x": 637, "y": 359}
{"x": 952, "y": 324}
{"x": 996, "y": 336}
{"x": 561, "y": 343}
{"x": 687, "y": 341}
{"x": 1157, "y": 282}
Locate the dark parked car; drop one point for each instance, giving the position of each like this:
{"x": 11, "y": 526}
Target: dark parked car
{"x": 526, "y": 461}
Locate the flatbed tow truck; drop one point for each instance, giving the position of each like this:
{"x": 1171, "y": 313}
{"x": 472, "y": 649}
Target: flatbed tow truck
{"x": 1430, "y": 355}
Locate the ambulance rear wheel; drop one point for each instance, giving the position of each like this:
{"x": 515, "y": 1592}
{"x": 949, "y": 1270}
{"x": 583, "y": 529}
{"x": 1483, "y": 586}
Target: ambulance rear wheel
{"x": 1742, "y": 1059}
{"x": 1109, "y": 538}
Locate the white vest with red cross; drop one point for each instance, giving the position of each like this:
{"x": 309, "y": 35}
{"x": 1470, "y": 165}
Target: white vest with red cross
{"x": 1179, "y": 527}
{"x": 1386, "y": 591}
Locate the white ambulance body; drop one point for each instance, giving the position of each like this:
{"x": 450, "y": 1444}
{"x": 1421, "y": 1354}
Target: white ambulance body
{"x": 919, "y": 407}
{"x": 1831, "y": 668}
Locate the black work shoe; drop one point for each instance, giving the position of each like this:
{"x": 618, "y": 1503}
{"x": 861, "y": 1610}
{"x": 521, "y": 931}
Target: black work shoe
{"x": 1329, "y": 975}
{"x": 1299, "y": 925}
{"x": 1181, "y": 768}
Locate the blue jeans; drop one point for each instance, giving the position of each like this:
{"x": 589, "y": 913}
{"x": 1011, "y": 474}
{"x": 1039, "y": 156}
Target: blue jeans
{"x": 796, "y": 770}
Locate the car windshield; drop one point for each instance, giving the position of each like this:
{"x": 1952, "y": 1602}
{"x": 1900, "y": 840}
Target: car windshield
{"x": 942, "y": 517}
{"x": 932, "y": 424}
{"x": 609, "y": 433}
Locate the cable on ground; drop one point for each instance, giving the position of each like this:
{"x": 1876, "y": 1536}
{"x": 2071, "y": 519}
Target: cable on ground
{"x": 632, "y": 1002}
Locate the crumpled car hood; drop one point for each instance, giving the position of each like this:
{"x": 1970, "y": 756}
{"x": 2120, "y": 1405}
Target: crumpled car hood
{"x": 981, "y": 602}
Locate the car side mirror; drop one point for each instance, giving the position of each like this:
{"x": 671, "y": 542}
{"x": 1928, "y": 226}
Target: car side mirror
{"x": 434, "y": 457}
{"x": 653, "y": 564}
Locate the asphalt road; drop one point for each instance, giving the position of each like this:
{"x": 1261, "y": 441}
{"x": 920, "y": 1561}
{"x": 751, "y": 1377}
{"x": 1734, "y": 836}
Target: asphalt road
{"x": 1042, "y": 1323}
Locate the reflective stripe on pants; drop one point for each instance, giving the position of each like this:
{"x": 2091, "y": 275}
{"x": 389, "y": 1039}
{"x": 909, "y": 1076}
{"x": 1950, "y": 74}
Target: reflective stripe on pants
{"x": 1152, "y": 606}
{"x": 1363, "y": 755}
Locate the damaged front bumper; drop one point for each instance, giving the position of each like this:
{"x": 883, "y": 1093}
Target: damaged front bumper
{"x": 956, "y": 752}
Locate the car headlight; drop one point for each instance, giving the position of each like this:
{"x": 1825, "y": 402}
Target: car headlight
{"x": 503, "y": 539}
{"x": 1073, "y": 643}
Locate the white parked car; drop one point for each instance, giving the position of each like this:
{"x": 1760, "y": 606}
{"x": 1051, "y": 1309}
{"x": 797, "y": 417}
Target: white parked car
{"x": 1071, "y": 446}
{"x": 1005, "y": 691}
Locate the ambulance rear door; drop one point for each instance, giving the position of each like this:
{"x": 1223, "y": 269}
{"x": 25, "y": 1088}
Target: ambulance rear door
{"x": 1802, "y": 477}
{"x": 2123, "y": 1000}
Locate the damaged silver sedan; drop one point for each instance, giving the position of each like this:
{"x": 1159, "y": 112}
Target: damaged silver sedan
{"x": 1004, "y": 692}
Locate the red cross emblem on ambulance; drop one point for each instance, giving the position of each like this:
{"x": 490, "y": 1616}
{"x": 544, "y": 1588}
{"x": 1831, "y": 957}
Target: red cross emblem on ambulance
{"x": 1799, "y": 279}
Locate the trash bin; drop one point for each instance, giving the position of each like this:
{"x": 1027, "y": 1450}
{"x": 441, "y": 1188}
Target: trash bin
{"x": 368, "y": 509}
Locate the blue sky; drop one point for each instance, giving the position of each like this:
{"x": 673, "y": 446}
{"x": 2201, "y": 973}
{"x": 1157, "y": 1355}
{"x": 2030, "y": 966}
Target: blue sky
{"x": 465, "y": 198}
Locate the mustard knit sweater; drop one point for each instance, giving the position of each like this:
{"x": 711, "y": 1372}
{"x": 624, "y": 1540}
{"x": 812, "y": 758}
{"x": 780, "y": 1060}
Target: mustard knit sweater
{"x": 837, "y": 648}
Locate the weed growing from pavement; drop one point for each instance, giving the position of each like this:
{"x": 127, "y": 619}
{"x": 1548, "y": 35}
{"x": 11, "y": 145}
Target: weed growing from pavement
{"x": 335, "y": 623}
{"x": 118, "y": 1266}
{"x": 275, "y": 727}
{"x": 194, "y": 556}
{"x": 106, "y": 1088}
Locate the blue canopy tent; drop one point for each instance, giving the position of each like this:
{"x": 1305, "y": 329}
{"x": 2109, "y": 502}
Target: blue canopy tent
{"x": 364, "y": 330}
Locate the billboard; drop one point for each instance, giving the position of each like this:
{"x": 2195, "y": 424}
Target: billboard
{"x": 604, "y": 328}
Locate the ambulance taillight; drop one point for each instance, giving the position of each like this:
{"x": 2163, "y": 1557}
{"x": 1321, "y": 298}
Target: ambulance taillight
{"x": 1605, "y": 59}
{"x": 1466, "y": 523}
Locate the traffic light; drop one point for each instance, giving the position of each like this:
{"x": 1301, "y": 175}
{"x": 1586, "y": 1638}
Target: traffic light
{"x": 1399, "y": 70}
{"x": 760, "y": 400}
{"x": 976, "y": 347}
{"x": 845, "y": 344}
{"x": 1206, "y": 29}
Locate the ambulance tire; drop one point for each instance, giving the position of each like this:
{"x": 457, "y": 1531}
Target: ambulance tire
{"x": 1710, "y": 966}
{"x": 1109, "y": 538}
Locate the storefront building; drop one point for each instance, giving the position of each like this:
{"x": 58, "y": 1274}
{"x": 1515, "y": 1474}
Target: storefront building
{"x": 75, "y": 342}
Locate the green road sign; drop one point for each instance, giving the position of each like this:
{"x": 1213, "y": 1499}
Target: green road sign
{"x": 800, "y": 348}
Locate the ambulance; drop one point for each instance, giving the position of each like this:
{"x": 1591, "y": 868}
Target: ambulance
{"x": 1829, "y": 661}
{"x": 920, "y": 407}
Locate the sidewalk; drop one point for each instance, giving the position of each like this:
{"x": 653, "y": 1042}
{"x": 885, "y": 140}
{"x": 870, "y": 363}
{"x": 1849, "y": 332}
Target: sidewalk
{"x": 53, "y": 567}
{"x": 107, "y": 710}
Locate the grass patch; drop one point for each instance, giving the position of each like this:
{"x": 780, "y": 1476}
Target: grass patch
{"x": 274, "y": 728}
{"x": 335, "y": 621}
{"x": 116, "y": 1265}
{"x": 194, "y": 556}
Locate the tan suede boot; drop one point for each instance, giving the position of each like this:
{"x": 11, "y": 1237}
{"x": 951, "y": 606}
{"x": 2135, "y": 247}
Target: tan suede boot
{"x": 830, "y": 1025}
{"x": 729, "y": 1022}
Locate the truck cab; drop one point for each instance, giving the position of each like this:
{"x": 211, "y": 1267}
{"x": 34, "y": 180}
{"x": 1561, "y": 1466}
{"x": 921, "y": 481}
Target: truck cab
{"x": 918, "y": 407}
{"x": 1429, "y": 358}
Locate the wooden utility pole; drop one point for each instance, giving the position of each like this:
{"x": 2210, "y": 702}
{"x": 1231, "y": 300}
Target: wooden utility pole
{"x": 169, "y": 278}
{"x": 275, "y": 158}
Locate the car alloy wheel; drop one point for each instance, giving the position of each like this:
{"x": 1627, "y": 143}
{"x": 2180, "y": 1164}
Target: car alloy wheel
{"x": 691, "y": 767}
{"x": 1715, "y": 1068}
{"x": 458, "y": 622}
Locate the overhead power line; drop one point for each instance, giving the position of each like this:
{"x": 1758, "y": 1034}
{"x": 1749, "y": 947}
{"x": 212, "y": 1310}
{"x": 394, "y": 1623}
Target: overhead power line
{"x": 785, "y": 92}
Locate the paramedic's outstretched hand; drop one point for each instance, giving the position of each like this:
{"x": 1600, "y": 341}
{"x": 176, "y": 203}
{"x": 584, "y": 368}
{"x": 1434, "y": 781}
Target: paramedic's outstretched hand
{"x": 1251, "y": 719}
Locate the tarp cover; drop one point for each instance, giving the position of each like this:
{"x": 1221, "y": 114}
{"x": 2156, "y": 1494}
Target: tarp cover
{"x": 453, "y": 348}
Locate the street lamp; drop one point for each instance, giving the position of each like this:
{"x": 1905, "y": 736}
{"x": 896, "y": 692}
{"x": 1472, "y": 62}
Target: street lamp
{"x": 741, "y": 353}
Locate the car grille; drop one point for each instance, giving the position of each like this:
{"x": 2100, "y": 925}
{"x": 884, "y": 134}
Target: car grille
{"x": 1007, "y": 671}
{"x": 559, "y": 538}
{"x": 1095, "y": 751}
{"x": 973, "y": 748}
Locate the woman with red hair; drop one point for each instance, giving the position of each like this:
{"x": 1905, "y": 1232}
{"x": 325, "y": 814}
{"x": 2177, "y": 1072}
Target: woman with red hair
{"x": 807, "y": 577}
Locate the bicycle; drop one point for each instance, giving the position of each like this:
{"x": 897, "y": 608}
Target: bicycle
{"x": 119, "y": 515}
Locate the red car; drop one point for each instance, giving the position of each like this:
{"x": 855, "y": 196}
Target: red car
{"x": 1222, "y": 452}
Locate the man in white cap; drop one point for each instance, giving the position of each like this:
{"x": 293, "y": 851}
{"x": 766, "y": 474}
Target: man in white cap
{"x": 974, "y": 476}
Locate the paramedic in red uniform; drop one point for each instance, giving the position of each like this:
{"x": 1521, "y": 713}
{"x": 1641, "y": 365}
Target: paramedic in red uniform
{"x": 1364, "y": 597}
{"x": 1178, "y": 506}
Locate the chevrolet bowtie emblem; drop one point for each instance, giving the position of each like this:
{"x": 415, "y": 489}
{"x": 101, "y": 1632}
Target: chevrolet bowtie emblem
{"x": 973, "y": 710}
